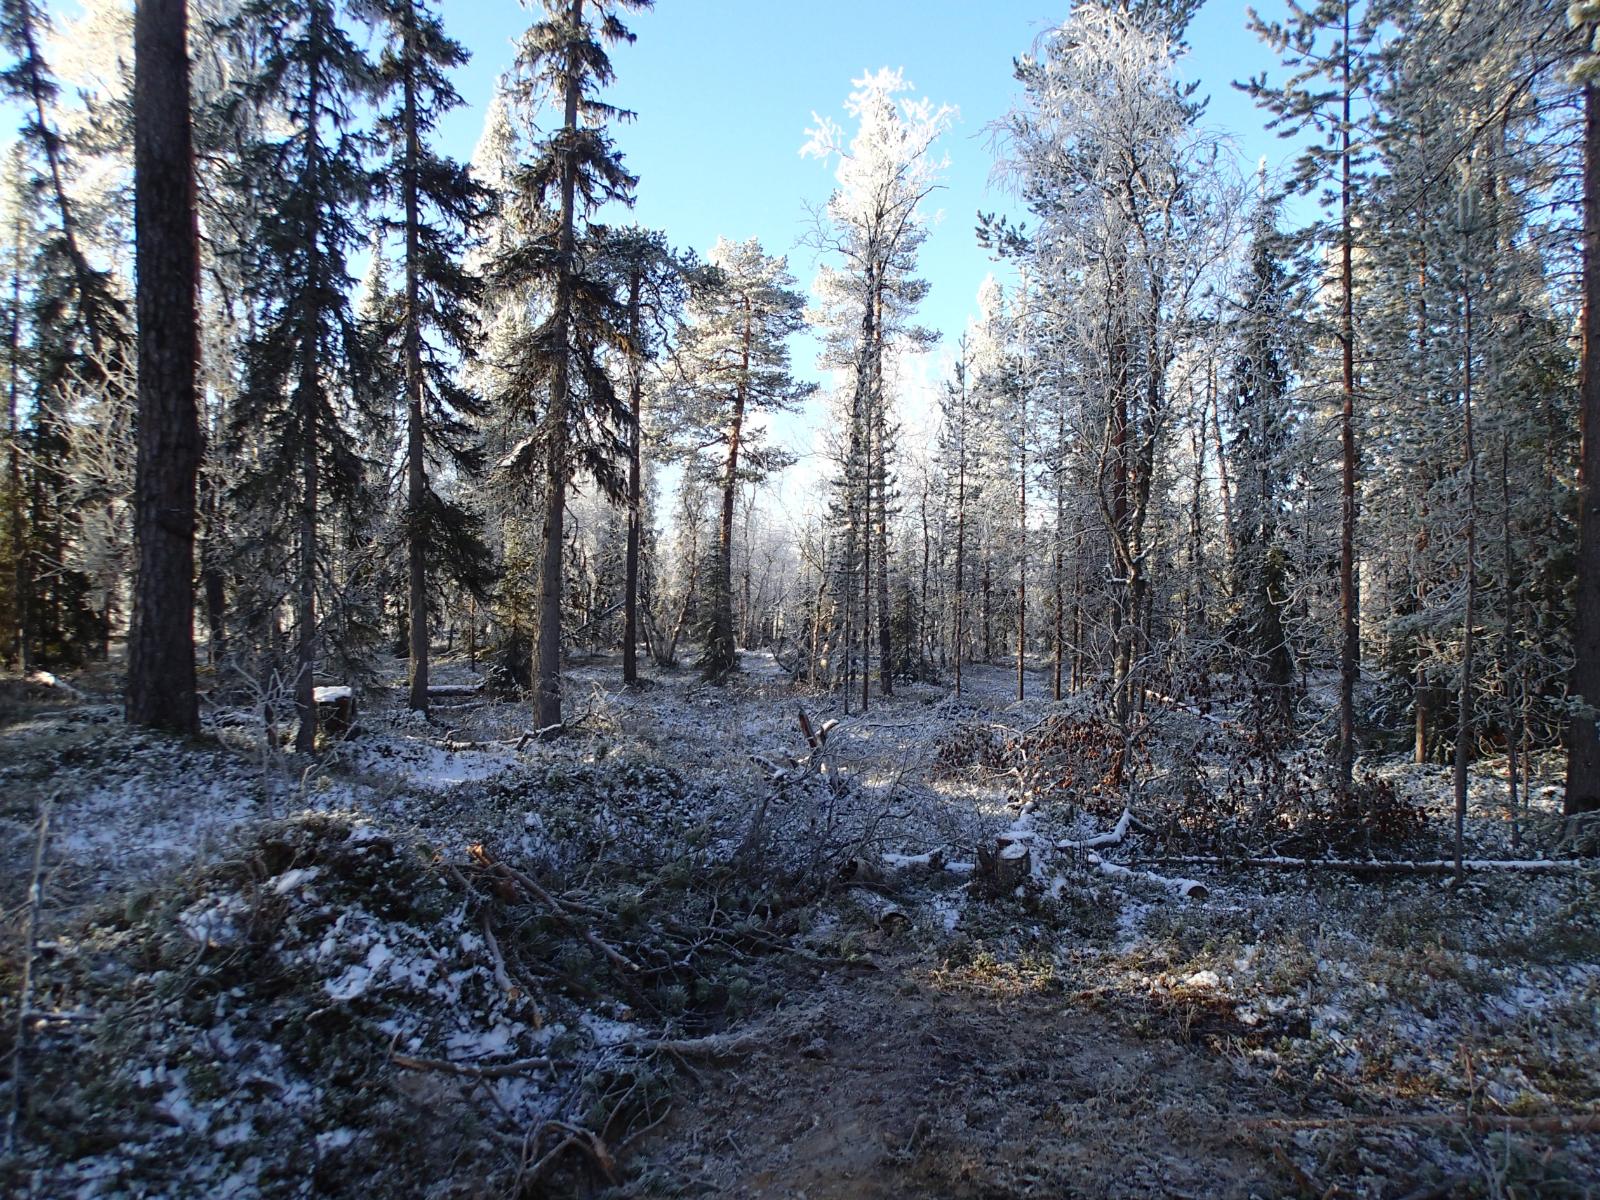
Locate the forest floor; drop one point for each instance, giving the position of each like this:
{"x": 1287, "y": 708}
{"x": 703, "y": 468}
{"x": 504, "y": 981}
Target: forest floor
{"x": 680, "y": 953}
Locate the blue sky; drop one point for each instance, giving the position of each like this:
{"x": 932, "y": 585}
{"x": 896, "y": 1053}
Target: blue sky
{"x": 725, "y": 90}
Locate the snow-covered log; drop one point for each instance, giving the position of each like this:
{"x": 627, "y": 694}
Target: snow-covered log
{"x": 1189, "y": 889}
{"x": 454, "y": 689}
{"x": 1114, "y": 838}
{"x": 1377, "y": 866}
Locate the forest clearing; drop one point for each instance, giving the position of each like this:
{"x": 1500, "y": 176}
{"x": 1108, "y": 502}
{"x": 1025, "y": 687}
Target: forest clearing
{"x": 612, "y": 600}
{"x": 629, "y": 963}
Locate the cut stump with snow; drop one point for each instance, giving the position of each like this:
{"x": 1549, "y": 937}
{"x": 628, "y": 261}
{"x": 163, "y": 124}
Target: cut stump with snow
{"x": 336, "y": 710}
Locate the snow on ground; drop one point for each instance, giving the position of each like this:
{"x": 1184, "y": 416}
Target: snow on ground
{"x": 264, "y": 932}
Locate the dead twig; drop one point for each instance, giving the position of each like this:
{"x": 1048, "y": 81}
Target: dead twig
{"x": 481, "y": 856}
{"x": 521, "y": 1066}
{"x": 1573, "y": 1125}
{"x": 30, "y": 953}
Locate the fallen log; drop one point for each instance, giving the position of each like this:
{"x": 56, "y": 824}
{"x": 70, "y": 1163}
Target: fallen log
{"x": 1118, "y": 832}
{"x": 1189, "y": 889}
{"x": 454, "y": 689}
{"x": 1374, "y": 866}
{"x": 1575, "y": 1124}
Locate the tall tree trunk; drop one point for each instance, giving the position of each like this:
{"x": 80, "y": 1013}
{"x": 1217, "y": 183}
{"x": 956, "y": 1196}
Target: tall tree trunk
{"x": 630, "y": 593}
{"x": 161, "y": 672}
{"x": 1422, "y": 692}
{"x": 722, "y": 656}
{"x": 1022, "y": 548}
{"x": 547, "y": 682}
{"x": 1507, "y": 626}
{"x": 1583, "y": 731}
{"x": 1349, "y": 615}
{"x": 416, "y": 450}
{"x": 309, "y": 401}
{"x": 881, "y": 524}
{"x": 1464, "y": 730}
{"x": 961, "y": 540}
{"x": 22, "y": 574}
{"x": 1224, "y": 484}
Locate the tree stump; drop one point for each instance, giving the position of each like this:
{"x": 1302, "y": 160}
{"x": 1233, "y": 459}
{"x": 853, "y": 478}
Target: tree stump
{"x": 336, "y": 711}
{"x": 1012, "y": 864}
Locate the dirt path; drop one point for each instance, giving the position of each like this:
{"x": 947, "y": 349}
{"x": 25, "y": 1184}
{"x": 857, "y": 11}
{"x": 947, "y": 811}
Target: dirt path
{"x": 913, "y": 1081}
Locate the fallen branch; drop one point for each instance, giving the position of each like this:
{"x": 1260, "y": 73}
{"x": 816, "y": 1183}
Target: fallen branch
{"x": 1118, "y": 832}
{"x": 596, "y": 1148}
{"x": 1189, "y": 889}
{"x": 522, "y": 1066}
{"x": 454, "y": 689}
{"x": 716, "y": 1045}
{"x": 543, "y": 734}
{"x": 1376, "y": 866}
{"x": 1575, "y": 1125}
{"x": 529, "y": 884}
{"x": 30, "y": 953}
{"x": 501, "y": 975}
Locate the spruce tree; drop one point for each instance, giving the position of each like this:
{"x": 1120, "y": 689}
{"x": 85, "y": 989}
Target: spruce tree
{"x": 561, "y": 385}
{"x": 1259, "y": 411}
{"x": 440, "y": 208}
{"x": 303, "y": 365}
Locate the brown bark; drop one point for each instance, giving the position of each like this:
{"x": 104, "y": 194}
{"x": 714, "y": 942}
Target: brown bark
{"x": 1583, "y": 731}
{"x": 1464, "y": 734}
{"x": 723, "y": 656}
{"x": 161, "y": 670}
{"x": 22, "y": 576}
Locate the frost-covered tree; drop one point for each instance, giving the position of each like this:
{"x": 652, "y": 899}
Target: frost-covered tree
{"x": 1132, "y": 211}
{"x": 1260, "y": 419}
{"x": 873, "y": 227}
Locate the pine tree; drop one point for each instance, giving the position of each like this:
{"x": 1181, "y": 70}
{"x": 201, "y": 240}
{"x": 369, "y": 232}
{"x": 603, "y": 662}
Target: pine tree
{"x": 1325, "y": 48}
{"x": 656, "y": 280}
{"x": 161, "y": 668}
{"x": 583, "y": 423}
{"x": 1583, "y": 730}
{"x": 734, "y": 358}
